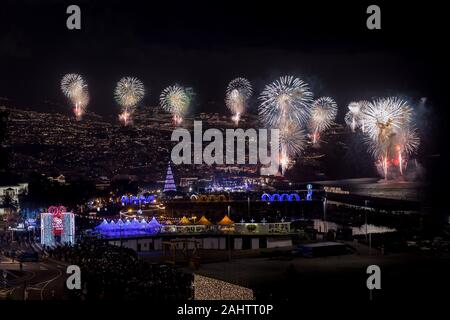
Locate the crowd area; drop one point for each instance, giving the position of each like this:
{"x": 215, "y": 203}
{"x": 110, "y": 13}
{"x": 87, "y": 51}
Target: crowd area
{"x": 111, "y": 272}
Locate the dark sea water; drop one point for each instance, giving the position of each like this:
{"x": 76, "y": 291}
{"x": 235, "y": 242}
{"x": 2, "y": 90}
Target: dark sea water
{"x": 374, "y": 187}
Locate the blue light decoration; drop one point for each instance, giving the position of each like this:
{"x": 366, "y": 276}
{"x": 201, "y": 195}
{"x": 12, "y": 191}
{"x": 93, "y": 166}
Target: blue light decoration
{"x": 280, "y": 198}
{"x": 27, "y": 213}
{"x": 128, "y": 228}
{"x": 310, "y": 192}
{"x": 137, "y": 200}
{"x": 295, "y": 197}
{"x": 266, "y": 197}
{"x": 30, "y": 224}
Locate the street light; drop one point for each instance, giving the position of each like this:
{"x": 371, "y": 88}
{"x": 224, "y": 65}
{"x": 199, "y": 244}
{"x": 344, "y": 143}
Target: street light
{"x": 365, "y": 215}
{"x": 325, "y": 214}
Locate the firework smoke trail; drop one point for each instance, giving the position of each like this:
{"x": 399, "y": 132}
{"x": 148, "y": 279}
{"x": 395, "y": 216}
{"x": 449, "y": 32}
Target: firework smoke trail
{"x": 237, "y": 94}
{"x": 128, "y": 93}
{"x": 406, "y": 143}
{"x": 389, "y": 132}
{"x": 363, "y": 104}
{"x": 75, "y": 88}
{"x": 176, "y": 100}
{"x": 354, "y": 117}
{"x": 323, "y": 113}
{"x": 286, "y": 99}
{"x": 81, "y": 103}
{"x": 284, "y": 161}
{"x": 385, "y": 166}
{"x": 126, "y": 115}
{"x": 292, "y": 143}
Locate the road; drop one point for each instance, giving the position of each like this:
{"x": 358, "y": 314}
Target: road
{"x": 43, "y": 280}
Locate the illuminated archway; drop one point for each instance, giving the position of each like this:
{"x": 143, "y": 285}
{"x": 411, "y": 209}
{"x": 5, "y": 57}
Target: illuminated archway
{"x": 280, "y": 198}
{"x": 294, "y": 196}
{"x": 276, "y": 197}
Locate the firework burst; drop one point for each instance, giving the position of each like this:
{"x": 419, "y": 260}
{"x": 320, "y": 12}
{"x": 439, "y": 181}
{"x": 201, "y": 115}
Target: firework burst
{"x": 237, "y": 94}
{"x": 323, "y": 113}
{"x": 75, "y": 88}
{"x": 408, "y": 140}
{"x": 72, "y": 85}
{"x": 384, "y": 117}
{"x": 292, "y": 139}
{"x": 128, "y": 93}
{"x": 292, "y": 143}
{"x": 390, "y": 134}
{"x": 354, "y": 117}
{"x": 286, "y": 99}
{"x": 176, "y": 100}
{"x": 406, "y": 143}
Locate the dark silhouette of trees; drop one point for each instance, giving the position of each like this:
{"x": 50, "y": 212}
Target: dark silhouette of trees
{"x": 3, "y": 149}
{"x": 43, "y": 193}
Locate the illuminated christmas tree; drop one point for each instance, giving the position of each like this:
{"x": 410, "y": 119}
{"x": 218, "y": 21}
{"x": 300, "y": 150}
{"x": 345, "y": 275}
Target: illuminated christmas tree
{"x": 169, "y": 184}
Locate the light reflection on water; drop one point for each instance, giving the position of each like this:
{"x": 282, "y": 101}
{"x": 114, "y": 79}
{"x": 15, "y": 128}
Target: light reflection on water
{"x": 321, "y": 225}
{"x": 373, "y": 187}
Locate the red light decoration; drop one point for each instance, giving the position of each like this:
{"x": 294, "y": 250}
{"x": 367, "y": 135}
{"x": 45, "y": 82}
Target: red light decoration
{"x": 56, "y": 212}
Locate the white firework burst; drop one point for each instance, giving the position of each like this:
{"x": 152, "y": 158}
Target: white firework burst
{"x": 383, "y": 117}
{"x": 242, "y": 85}
{"x": 323, "y": 113}
{"x": 73, "y": 85}
{"x": 175, "y": 100}
{"x": 407, "y": 141}
{"x": 129, "y": 92}
{"x": 237, "y": 94}
{"x": 354, "y": 117}
{"x": 75, "y": 88}
{"x": 292, "y": 139}
{"x": 286, "y": 99}
{"x": 390, "y": 134}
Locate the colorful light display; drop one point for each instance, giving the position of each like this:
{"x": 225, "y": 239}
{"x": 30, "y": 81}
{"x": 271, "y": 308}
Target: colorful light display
{"x": 68, "y": 231}
{"x": 169, "y": 184}
{"x": 280, "y": 197}
{"x": 140, "y": 199}
{"x": 287, "y": 197}
{"x": 128, "y": 228}
{"x": 47, "y": 236}
{"x": 57, "y": 222}
{"x": 310, "y": 192}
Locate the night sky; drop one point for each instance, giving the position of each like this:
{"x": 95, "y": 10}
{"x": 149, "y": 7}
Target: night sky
{"x": 205, "y": 44}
